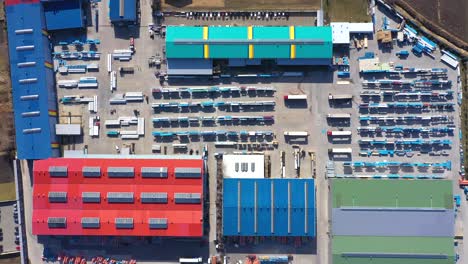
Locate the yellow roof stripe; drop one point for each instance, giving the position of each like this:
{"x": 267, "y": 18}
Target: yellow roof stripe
{"x": 251, "y": 47}
{"x": 251, "y": 51}
{"x": 206, "y": 47}
{"x": 293, "y": 46}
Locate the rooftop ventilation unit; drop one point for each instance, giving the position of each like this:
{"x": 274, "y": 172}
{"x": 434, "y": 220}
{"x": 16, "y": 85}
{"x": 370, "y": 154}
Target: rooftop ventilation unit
{"x": 57, "y": 197}
{"x": 153, "y": 197}
{"x": 57, "y": 222}
{"x": 154, "y": 172}
{"x": 158, "y": 223}
{"x": 91, "y": 172}
{"x": 120, "y": 197}
{"x": 120, "y": 172}
{"x": 124, "y": 223}
{"x": 58, "y": 171}
{"x": 90, "y": 222}
{"x": 91, "y": 197}
{"x": 188, "y": 173}
{"x": 187, "y": 198}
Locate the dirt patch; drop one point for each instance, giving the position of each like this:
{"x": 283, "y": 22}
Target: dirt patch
{"x": 448, "y": 14}
{"x": 346, "y": 10}
{"x": 6, "y": 112}
{"x": 240, "y": 5}
{"x": 428, "y": 25}
{"x": 7, "y": 134}
{"x": 10, "y": 260}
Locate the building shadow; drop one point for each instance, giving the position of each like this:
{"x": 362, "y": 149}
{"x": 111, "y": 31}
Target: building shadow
{"x": 178, "y": 3}
{"x": 126, "y": 31}
{"x": 272, "y": 246}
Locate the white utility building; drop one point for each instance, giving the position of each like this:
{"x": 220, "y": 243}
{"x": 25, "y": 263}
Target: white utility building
{"x": 244, "y": 166}
{"x": 341, "y": 31}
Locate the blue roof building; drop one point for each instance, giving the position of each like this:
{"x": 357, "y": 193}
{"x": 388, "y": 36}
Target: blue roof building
{"x": 63, "y": 14}
{"x": 269, "y": 207}
{"x": 123, "y": 10}
{"x": 34, "y": 96}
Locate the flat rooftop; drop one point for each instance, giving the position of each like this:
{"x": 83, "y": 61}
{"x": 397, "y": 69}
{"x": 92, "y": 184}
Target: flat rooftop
{"x": 244, "y": 166}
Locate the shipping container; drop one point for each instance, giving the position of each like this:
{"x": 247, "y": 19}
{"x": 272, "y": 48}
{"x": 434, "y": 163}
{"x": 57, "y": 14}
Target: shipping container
{"x": 338, "y": 133}
{"x": 339, "y": 116}
{"x": 295, "y": 97}
{"x": 340, "y": 97}
{"x": 296, "y": 134}
{"x": 126, "y": 69}
{"x": 340, "y": 151}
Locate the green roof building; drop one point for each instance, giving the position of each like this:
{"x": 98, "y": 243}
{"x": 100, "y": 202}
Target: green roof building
{"x": 392, "y": 221}
{"x": 288, "y": 45}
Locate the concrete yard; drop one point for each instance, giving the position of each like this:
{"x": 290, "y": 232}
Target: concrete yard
{"x": 317, "y": 84}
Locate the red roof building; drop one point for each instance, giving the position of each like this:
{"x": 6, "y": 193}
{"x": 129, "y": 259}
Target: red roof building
{"x": 118, "y": 197}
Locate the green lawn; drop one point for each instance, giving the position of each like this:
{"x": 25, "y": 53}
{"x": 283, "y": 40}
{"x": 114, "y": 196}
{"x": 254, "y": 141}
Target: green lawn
{"x": 7, "y": 191}
{"x": 346, "y": 10}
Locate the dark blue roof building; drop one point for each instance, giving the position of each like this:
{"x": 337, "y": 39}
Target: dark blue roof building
{"x": 34, "y": 96}
{"x": 64, "y": 14}
{"x": 122, "y": 11}
{"x": 269, "y": 207}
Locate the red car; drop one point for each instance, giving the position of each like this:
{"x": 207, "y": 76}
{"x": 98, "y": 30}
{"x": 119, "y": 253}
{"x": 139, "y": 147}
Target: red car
{"x": 132, "y": 44}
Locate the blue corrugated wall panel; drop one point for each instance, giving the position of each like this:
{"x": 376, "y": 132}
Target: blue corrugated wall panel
{"x": 301, "y": 208}
{"x": 229, "y": 207}
{"x": 36, "y": 145}
{"x": 247, "y": 210}
{"x": 280, "y": 197}
{"x": 264, "y": 211}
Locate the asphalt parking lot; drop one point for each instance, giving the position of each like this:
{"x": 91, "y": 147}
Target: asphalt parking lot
{"x": 9, "y": 236}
